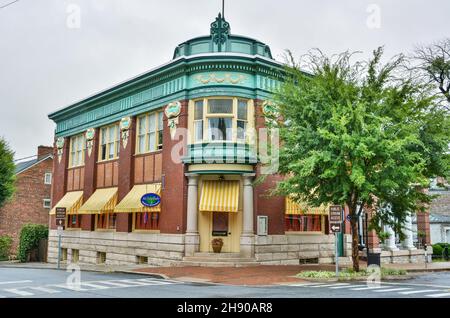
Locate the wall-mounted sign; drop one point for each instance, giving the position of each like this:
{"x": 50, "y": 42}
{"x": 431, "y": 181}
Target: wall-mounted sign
{"x": 150, "y": 200}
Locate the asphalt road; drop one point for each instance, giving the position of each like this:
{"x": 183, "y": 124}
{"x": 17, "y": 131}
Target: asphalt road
{"x": 48, "y": 283}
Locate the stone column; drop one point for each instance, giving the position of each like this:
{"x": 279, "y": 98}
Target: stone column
{"x": 192, "y": 238}
{"x": 248, "y": 236}
{"x": 408, "y": 242}
{"x": 390, "y": 242}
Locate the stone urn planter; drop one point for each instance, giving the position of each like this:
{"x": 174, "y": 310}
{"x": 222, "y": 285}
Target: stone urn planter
{"x": 217, "y": 244}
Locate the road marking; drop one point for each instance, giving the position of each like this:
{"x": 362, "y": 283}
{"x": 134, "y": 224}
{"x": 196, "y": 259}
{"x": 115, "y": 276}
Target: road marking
{"x": 95, "y": 286}
{"x": 389, "y": 290}
{"x": 45, "y": 290}
{"x": 419, "y": 291}
{"x": 16, "y": 282}
{"x": 116, "y": 284}
{"x": 439, "y": 295}
{"x": 155, "y": 281}
{"x": 65, "y": 286}
{"x": 368, "y": 288}
{"x": 306, "y": 284}
{"x": 339, "y": 287}
{"x": 18, "y": 292}
{"x": 331, "y": 285}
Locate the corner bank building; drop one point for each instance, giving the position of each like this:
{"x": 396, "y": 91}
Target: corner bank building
{"x": 152, "y": 170}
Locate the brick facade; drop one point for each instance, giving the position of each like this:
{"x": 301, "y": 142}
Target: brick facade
{"x": 27, "y": 204}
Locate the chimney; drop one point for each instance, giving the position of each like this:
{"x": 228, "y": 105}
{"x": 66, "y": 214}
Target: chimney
{"x": 44, "y": 151}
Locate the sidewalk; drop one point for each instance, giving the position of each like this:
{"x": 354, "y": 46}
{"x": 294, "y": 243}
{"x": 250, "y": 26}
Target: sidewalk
{"x": 267, "y": 275}
{"x": 253, "y": 275}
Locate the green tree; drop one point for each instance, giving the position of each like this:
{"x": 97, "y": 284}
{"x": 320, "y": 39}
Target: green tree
{"x": 432, "y": 65}
{"x": 7, "y": 172}
{"x": 356, "y": 134}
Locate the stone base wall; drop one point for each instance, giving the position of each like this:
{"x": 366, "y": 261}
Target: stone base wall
{"x": 291, "y": 248}
{"x": 403, "y": 256}
{"x": 120, "y": 248}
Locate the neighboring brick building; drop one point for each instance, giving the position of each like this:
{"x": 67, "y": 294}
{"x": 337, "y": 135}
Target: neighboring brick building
{"x": 32, "y": 200}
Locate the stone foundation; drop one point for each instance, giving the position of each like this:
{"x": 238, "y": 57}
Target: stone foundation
{"x": 169, "y": 249}
{"x": 120, "y": 248}
{"x": 403, "y": 256}
{"x": 290, "y": 249}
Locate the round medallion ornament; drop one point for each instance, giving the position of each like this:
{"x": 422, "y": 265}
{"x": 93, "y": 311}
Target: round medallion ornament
{"x": 270, "y": 110}
{"x": 173, "y": 110}
{"x": 60, "y": 143}
{"x": 90, "y": 134}
{"x": 125, "y": 123}
{"x": 150, "y": 200}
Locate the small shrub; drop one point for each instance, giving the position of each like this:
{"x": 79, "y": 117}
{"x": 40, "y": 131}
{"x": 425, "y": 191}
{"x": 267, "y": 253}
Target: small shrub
{"x": 437, "y": 250}
{"x": 30, "y": 235}
{"x": 5, "y": 247}
{"x": 392, "y": 272}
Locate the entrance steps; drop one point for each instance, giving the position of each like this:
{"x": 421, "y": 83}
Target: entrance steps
{"x": 218, "y": 260}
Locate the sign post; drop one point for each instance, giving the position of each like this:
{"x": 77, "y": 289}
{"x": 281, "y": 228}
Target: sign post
{"x": 60, "y": 220}
{"x": 336, "y": 228}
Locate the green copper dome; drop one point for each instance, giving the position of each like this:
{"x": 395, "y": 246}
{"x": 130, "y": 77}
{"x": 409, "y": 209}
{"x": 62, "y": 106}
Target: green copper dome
{"x": 222, "y": 41}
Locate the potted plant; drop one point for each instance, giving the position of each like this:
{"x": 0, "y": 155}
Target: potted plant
{"x": 217, "y": 244}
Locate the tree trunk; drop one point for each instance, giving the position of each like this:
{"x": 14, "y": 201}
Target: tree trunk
{"x": 355, "y": 250}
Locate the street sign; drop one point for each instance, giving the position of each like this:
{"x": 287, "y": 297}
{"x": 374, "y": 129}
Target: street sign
{"x": 335, "y": 214}
{"x": 60, "y": 214}
{"x": 335, "y": 227}
{"x": 60, "y": 230}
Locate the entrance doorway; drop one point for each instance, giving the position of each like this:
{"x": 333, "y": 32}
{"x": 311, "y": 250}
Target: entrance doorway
{"x": 224, "y": 225}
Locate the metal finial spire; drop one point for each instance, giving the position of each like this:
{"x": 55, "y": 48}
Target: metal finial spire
{"x": 223, "y": 9}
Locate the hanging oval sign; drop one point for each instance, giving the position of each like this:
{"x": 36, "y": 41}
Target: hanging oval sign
{"x": 150, "y": 200}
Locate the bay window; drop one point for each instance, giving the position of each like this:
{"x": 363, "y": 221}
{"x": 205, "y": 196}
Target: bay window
{"x": 220, "y": 120}
{"x": 150, "y": 132}
{"x": 109, "y": 142}
{"x": 77, "y": 150}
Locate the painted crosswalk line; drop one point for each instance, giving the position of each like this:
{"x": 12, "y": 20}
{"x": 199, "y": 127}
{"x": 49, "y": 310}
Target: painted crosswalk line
{"x": 331, "y": 285}
{"x": 411, "y": 292}
{"x": 45, "y": 290}
{"x": 16, "y": 282}
{"x": 18, "y": 291}
{"x": 367, "y": 288}
{"x": 439, "y": 295}
{"x": 378, "y": 290}
{"x": 343, "y": 287}
{"x": 86, "y": 286}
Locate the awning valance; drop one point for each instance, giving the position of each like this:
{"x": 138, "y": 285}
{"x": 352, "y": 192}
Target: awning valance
{"x": 294, "y": 208}
{"x": 219, "y": 196}
{"x": 132, "y": 201}
{"x": 72, "y": 201}
{"x": 102, "y": 201}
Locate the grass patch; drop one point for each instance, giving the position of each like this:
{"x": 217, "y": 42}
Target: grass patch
{"x": 349, "y": 273}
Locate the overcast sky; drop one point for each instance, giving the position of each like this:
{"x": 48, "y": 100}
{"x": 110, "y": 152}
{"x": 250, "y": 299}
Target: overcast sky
{"x": 48, "y": 62}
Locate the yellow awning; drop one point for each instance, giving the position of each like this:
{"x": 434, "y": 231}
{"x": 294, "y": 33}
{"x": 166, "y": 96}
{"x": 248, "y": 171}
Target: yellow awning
{"x": 132, "y": 201}
{"x": 294, "y": 208}
{"x": 102, "y": 201}
{"x": 220, "y": 196}
{"x": 71, "y": 201}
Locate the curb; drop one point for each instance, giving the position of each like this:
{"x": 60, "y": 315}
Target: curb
{"x": 154, "y": 275}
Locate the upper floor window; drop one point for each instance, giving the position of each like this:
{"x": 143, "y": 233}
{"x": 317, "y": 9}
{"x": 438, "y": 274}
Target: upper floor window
{"x": 77, "y": 149}
{"x": 150, "y": 132}
{"x": 48, "y": 178}
{"x": 109, "y": 142}
{"x": 220, "y": 119}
